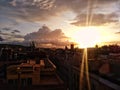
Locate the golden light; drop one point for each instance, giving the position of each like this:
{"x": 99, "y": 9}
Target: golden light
{"x": 87, "y": 37}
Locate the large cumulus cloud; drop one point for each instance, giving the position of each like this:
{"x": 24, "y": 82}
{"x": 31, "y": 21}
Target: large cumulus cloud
{"x": 45, "y": 37}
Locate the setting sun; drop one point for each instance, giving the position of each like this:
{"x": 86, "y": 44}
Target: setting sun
{"x": 87, "y": 37}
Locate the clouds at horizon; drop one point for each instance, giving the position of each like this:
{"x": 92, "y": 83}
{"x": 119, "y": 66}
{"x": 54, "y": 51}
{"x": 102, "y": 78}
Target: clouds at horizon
{"x": 46, "y": 37}
{"x": 9, "y": 34}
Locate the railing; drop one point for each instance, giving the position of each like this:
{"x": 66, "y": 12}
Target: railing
{"x": 97, "y": 82}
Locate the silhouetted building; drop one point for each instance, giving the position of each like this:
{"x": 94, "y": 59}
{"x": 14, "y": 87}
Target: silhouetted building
{"x": 72, "y": 46}
{"x": 101, "y": 77}
{"x": 34, "y": 75}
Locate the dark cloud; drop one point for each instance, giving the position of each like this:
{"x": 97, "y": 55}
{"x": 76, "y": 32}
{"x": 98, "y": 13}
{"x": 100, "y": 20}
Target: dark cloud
{"x": 10, "y": 29}
{"x": 37, "y": 10}
{"x": 1, "y": 39}
{"x": 42, "y": 4}
{"x": 15, "y": 31}
{"x": 6, "y": 28}
{"x": 97, "y": 20}
{"x": 2, "y": 33}
{"x": 117, "y": 33}
{"x": 11, "y": 37}
{"x": 29, "y": 10}
{"x": 47, "y": 37}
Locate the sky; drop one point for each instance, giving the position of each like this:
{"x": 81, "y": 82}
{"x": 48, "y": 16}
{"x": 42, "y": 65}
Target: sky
{"x": 58, "y": 23}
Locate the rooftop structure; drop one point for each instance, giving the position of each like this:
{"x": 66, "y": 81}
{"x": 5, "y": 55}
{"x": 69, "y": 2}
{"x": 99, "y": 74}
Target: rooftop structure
{"x": 30, "y": 74}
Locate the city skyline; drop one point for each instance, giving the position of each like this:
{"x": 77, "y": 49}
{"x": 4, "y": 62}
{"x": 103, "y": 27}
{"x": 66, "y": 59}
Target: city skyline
{"x": 56, "y": 23}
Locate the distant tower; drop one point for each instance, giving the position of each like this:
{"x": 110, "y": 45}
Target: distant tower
{"x": 96, "y": 52}
{"x": 66, "y": 48}
{"x": 96, "y": 46}
{"x": 32, "y": 45}
{"x": 72, "y": 46}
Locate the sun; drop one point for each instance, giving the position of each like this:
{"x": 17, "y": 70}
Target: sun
{"x": 87, "y": 37}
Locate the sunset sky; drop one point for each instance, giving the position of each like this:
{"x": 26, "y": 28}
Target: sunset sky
{"x": 56, "y": 23}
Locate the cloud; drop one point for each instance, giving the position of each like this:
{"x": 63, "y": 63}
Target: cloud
{"x": 13, "y": 2}
{"x": 28, "y": 10}
{"x": 15, "y": 31}
{"x": 1, "y": 39}
{"x": 6, "y": 28}
{"x": 11, "y": 34}
{"x": 2, "y": 33}
{"x": 31, "y": 10}
{"x": 98, "y": 19}
{"x": 11, "y": 37}
{"x": 48, "y": 38}
{"x": 42, "y": 4}
{"x": 42, "y": 10}
{"x": 117, "y": 33}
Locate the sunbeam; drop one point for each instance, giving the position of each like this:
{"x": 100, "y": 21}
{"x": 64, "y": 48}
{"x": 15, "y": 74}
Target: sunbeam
{"x": 84, "y": 65}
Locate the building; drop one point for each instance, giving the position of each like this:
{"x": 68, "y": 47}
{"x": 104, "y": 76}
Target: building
{"x": 32, "y": 76}
{"x": 103, "y": 73}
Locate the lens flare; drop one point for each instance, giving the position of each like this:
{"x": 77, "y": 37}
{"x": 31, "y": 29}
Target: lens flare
{"x": 84, "y": 71}
{"x": 87, "y": 38}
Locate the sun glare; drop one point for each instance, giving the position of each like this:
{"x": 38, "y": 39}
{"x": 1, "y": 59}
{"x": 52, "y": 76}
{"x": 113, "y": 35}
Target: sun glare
{"x": 87, "y": 37}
